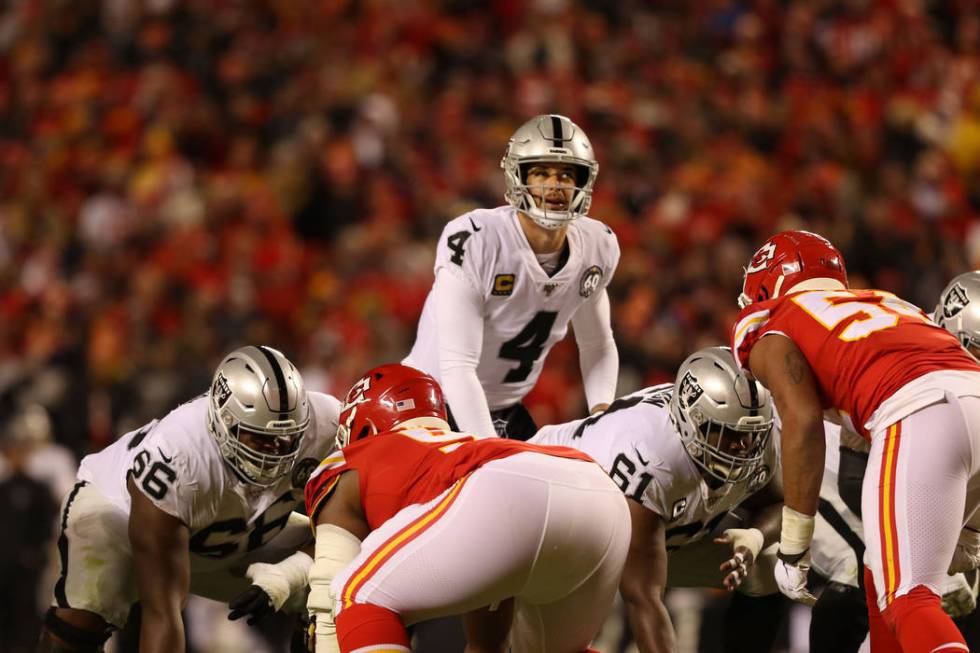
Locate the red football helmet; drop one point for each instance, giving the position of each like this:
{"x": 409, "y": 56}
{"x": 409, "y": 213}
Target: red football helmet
{"x": 787, "y": 259}
{"x": 385, "y": 397}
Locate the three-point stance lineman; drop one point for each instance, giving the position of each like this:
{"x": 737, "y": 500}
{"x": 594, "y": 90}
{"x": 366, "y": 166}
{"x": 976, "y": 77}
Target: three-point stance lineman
{"x": 510, "y": 279}
{"x": 903, "y": 383}
{"x": 414, "y": 521}
{"x": 181, "y": 505}
{"x": 686, "y": 455}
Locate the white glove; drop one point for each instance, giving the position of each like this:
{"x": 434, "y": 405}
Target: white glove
{"x": 746, "y": 544}
{"x": 791, "y": 574}
{"x": 793, "y": 557}
{"x": 959, "y": 596}
{"x": 967, "y": 553}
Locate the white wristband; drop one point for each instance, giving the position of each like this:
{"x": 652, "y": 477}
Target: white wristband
{"x": 281, "y": 579}
{"x": 796, "y": 533}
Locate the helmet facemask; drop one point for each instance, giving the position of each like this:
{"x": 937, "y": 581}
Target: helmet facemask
{"x": 723, "y": 418}
{"x": 531, "y": 199}
{"x": 257, "y": 397}
{"x": 549, "y": 140}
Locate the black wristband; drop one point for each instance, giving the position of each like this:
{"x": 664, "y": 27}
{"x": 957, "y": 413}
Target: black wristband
{"x": 791, "y": 559}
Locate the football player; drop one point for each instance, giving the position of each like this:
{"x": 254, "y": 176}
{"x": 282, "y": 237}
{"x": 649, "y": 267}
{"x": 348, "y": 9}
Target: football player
{"x": 888, "y": 373}
{"x": 839, "y": 623}
{"x": 184, "y": 503}
{"x": 509, "y": 280}
{"x": 415, "y": 521}
{"x": 686, "y": 455}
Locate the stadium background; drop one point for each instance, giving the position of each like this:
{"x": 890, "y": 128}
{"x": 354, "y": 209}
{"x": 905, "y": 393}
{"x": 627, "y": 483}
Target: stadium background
{"x": 180, "y": 178}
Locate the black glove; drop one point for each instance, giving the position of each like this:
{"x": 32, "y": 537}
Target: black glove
{"x": 253, "y": 603}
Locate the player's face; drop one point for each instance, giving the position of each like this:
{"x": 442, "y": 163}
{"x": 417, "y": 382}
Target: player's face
{"x": 267, "y": 444}
{"x": 552, "y": 185}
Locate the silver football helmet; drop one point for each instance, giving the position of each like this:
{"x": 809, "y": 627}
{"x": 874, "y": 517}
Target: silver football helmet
{"x": 257, "y": 396}
{"x": 723, "y": 418}
{"x": 549, "y": 139}
{"x": 958, "y": 310}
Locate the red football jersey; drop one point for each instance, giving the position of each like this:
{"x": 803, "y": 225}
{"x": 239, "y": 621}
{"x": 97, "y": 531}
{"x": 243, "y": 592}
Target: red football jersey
{"x": 412, "y": 465}
{"x": 862, "y": 345}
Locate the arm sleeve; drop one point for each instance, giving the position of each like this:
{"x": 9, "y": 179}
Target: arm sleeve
{"x": 598, "y": 356}
{"x": 459, "y": 318}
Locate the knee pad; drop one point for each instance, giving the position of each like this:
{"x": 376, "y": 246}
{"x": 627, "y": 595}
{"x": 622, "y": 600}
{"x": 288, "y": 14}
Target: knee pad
{"x": 362, "y": 625}
{"x": 74, "y": 638}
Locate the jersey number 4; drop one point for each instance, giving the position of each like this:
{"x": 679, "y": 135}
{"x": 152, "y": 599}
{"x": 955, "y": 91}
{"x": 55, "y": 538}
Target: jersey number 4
{"x": 526, "y": 346}
{"x": 872, "y": 316}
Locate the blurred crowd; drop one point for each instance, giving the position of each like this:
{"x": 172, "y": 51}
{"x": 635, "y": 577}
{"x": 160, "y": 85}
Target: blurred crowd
{"x": 180, "y": 178}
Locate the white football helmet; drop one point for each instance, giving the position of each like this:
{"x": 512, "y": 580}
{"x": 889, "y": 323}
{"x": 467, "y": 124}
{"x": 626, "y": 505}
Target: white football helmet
{"x": 958, "y": 310}
{"x": 549, "y": 139}
{"x": 713, "y": 406}
{"x": 257, "y": 393}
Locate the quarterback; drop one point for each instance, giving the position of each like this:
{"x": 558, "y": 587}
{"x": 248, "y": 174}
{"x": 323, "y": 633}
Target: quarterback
{"x": 884, "y": 370}
{"x": 686, "y": 455}
{"x": 415, "y": 521}
{"x": 509, "y": 280}
{"x": 185, "y": 504}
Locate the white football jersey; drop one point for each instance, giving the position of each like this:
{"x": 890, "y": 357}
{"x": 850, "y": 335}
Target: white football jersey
{"x": 176, "y": 463}
{"x": 525, "y": 311}
{"x": 637, "y": 445}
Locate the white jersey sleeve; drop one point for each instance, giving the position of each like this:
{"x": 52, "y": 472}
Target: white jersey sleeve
{"x": 524, "y": 310}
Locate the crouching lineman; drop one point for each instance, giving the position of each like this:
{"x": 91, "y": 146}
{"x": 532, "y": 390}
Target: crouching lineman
{"x": 180, "y": 505}
{"x": 685, "y": 456}
{"x": 414, "y": 521}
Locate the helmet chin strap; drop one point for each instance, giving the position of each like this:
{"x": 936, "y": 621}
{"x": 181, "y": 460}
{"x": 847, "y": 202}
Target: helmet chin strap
{"x": 817, "y": 283}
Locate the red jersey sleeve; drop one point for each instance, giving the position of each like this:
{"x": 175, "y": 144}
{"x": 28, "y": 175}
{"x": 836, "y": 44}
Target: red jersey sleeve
{"x": 322, "y": 482}
{"x": 753, "y": 323}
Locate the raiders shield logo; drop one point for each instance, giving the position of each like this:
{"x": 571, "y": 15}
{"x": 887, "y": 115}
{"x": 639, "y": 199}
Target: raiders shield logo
{"x": 220, "y": 390}
{"x": 590, "y": 281}
{"x": 302, "y": 471}
{"x": 689, "y": 390}
{"x": 955, "y": 301}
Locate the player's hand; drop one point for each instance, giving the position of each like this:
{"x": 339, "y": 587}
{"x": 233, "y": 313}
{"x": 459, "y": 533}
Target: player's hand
{"x": 253, "y": 603}
{"x": 967, "y": 554}
{"x": 791, "y": 574}
{"x": 960, "y": 594}
{"x": 746, "y": 544}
